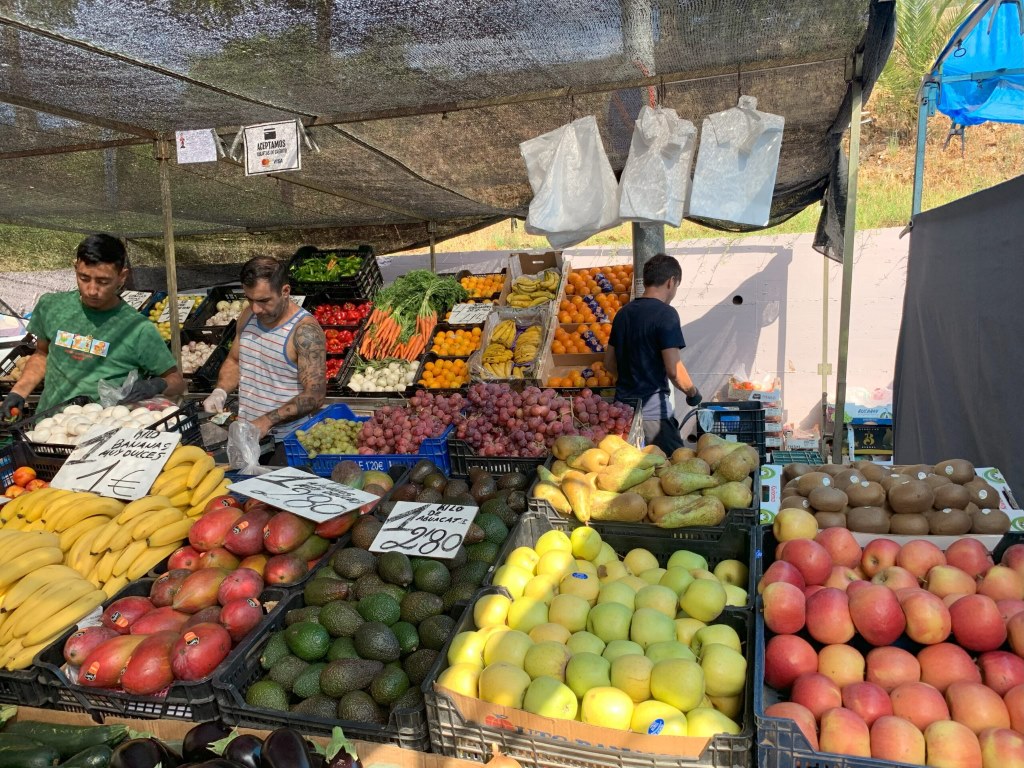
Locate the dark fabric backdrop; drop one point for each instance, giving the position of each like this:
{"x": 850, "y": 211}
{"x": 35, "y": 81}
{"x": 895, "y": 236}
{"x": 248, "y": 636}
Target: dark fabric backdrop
{"x": 960, "y": 360}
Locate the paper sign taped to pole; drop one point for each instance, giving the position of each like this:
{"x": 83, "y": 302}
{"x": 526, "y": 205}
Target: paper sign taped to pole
{"x": 198, "y": 146}
{"x": 272, "y": 148}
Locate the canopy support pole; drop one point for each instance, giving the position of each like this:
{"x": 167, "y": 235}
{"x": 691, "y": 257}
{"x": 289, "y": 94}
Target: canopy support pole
{"x": 648, "y": 239}
{"x": 825, "y": 366}
{"x": 163, "y": 156}
{"x": 925, "y": 109}
{"x": 432, "y": 230}
{"x": 849, "y": 235}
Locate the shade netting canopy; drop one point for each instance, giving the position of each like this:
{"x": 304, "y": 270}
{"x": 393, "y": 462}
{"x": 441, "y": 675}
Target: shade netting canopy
{"x": 417, "y": 106}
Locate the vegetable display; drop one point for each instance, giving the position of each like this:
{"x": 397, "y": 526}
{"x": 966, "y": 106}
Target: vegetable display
{"x": 227, "y": 311}
{"x": 68, "y": 426}
{"x": 382, "y": 375}
{"x": 338, "y": 342}
{"x": 345, "y": 314}
{"x": 194, "y": 354}
{"x": 325, "y": 269}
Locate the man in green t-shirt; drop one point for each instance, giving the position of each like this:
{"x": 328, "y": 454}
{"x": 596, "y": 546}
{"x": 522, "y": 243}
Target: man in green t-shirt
{"x": 91, "y": 335}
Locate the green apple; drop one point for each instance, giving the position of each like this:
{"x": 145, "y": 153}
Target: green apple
{"x": 705, "y": 722}
{"x": 730, "y": 706}
{"x": 461, "y": 678}
{"x": 467, "y": 648}
{"x": 585, "y": 642}
{"x": 701, "y": 573}
{"x": 585, "y": 671}
{"x": 552, "y": 541}
{"x": 605, "y": 555}
{"x": 523, "y": 557}
{"x": 686, "y": 628}
{"x": 646, "y": 712}
{"x": 557, "y": 562}
{"x": 674, "y": 726}
{"x": 491, "y": 610}
{"x": 653, "y": 575}
{"x": 547, "y": 659}
{"x": 581, "y": 585}
{"x": 608, "y": 707}
{"x": 725, "y": 670}
{"x": 586, "y": 542}
{"x": 634, "y": 581}
{"x": 571, "y": 611}
{"x": 669, "y": 649}
{"x": 639, "y": 560}
{"x": 549, "y": 697}
{"x": 716, "y": 633}
{"x": 613, "y": 570}
{"x": 659, "y": 598}
{"x": 617, "y": 648}
{"x": 617, "y": 592}
{"x": 527, "y": 613}
{"x": 508, "y": 647}
{"x": 650, "y": 626}
{"x": 512, "y": 578}
{"x": 541, "y": 587}
{"x": 550, "y": 631}
{"x": 587, "y": 567}
{"x": 504, "y": 684}
{"x": 735, "y": 596}
{"x": 631, "y": 674}
{"x": 610, "y": 621}
{"x": 677, "y": 579}
{"x": 732, "y": 572}
{"x": 704, "y": 599}
{"x": 678, "y": 682}
{"x": 684, "y": 558}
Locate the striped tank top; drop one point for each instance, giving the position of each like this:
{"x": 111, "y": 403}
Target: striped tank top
{"x": 267, "y": 377}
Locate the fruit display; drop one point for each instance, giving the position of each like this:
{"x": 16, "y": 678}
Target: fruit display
{"x": 394, "y": 429}
{"x": 579, "y": 633}
{"x": 501, "y": 422}
{"x": 227, "y": 311}
{"x": 581, "y": 340}
{"x": 382, "y": 375}
{"x": 24, "y": 480}
{"x": 512, "y": 350}
{"x": 615, "y": 481}
{"x": 194, "y": 354}
{"x": 68, "y": 426}
{"x": 907, "y": 654}
{"x": 338, "y": 341}
{"x": 592, "y": 376}
{"x": 483, "y": 286}
{"x": 163, "y": 327}
{"x": 444, "y": 374}
{"x": 589, "y": 309}
{"x": 348, "y": 313}
{"x": 332, "y": 436}
{"x": 947, "y": 498}
{"x": 533, "y": 290}
{"x": 448, "y": 315}
{"x": 457, "y": 343}
{"x": 593, "y": 281}
{"x": 14, "y": 375}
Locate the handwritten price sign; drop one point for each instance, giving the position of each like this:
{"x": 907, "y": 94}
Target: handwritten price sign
{"x": 185, "y": 304}
{"x": 314, "y": 498}
{"x": 424, "y": 530}
{"x": 469, "y": 314}
{"x": 117, "y": 463}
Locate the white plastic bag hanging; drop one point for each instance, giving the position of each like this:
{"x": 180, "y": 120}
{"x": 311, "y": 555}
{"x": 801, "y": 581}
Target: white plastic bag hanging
{"x": 243, "y": 448}
{"x": 574, "y": 190}
{"x": 656, "y": 179}
{"x": 737, "y": 164}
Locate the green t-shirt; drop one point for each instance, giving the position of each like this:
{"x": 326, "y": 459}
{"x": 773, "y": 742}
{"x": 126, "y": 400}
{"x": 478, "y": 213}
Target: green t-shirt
{"x": 87, "y": 346}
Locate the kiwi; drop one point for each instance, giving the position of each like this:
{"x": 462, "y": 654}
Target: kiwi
{"x": 913, "y": 496}
{"x": 865, "y": 494}
{"x": 990, "y": 521}
{"x": 795, "y": 470}
{"x": 952, "y": 496}
{"x": 893, "y": 480}
{"x": 871, "y": 471}
{"x": 960, "y": 471}
{"x": 868, "y": 520}
{"x": 909, "y": 525}
{"x": 794, "y": 502}
{"x": 983, "y": 494}
{"x": 830, "y": 519}
{"x": 807, "y": 483}
{"x": 918, "y": 471}
{"x": 970, "y": 508}
{"x": 936, "y": 481}
{"x": 948, "y": 522}
{"x": 792, "y": 486}
{"x": 827, "y": 499}
{"x": 832, "y": 469}
{"x": 846, "y": 478}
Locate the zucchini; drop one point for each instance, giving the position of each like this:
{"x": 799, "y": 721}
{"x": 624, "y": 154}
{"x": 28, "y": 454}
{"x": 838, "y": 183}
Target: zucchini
{"x": 17, "y": 740}
{"x": 93, "y": 757}
{"x": 28, "y": 757}
{"x": 69, "y": 740}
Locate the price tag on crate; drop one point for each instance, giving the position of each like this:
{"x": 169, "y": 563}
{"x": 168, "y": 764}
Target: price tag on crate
{"x": 469, "y": 314}
{"x": 117, "y": 463}
{"x": 185, "y": 305}
{"x": 425, "y": 530}
{"x": 298, "y": 300}
{"x": 135, "y": 299}
{"x": 314, "y": 498}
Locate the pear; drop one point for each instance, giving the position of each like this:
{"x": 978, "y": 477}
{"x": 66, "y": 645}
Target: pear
{"x": 578, "y": 490}
{"x": 648, "y": 489}
{"x": 619, "y": 507}
{"x": 676, "y": 481}
{"x": 591, "y": 460}
{"x": 553, "y": 495}
{"x": 707, "y": 511}
{"x": 738, "y": 464}
{"x": 612, "y": 443}
{"x": 619, "y": 478}
{"x": 570, "y": 445}
{"x": 733, "y": 495}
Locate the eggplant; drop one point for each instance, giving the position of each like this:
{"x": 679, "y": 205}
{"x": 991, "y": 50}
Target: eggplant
{"x": 245, "y": 750}
{"x": 143, "y": 753}
{"x": 285, "y": 748}
{"x": 218, "y": 762}
{"x": 195, "y": 747}
{"x": 341, "y": 753}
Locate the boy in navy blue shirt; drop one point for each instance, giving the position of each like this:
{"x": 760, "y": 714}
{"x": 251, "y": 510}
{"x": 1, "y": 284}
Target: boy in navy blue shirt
{"x": 644, "y": 351}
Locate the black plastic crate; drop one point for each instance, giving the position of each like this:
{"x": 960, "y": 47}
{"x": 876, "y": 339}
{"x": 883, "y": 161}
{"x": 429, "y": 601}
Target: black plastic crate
{"x": 195, "y": 700}
{"x": 8, "y": 363}
{"x": 464, "y": 458}
{"x": 430, "y": 357}
{"x": 363, "y": 285}
{"x": 349, "y": 369}
{"x": 742, "y": 421}
{"x": 452, "y": 735}
{"x": 159, "y": 296}
{"x": 312, "y": 302}
{"x": 205, "y": 378}
{"x": 17, "y": 455}
{"x": 213, "y": 336}
{"x": 199, "y": 318}
{"x": 406, "y": 728}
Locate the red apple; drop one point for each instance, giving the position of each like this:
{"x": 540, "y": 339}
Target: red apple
{"x": 843, "y": 731}
{"x": 896, "y": 578}
{"x": 877, "y": 615}
{"x": 919, "y": 556}
{"x": 1009, "y": 608}
{"x": 878, "y": 555}
{"x": 919, "y": 703}
{"x": 800, "y": 715}
{"x": 1001, "y": 748}
{"x": 810, "y": 589}
{"x": 952, "y": 745}
{"x": 948, "y": 600}
{"x": 895, "y": 740}
{"x": 890, "y": 667}
{"x": 783, "y": 608}
{"x": 945, "y": 580}
{"x": 977, "y": 706}
{"x": 841, "y": 576}
{"x": 977, "y": 623}
{"x": 828, "y": 616}
{"x": 1015, "y": 633}
{"x": 946, "y": 663}
{"x": 841, "y": 545}
{"x": 1014, "y": 558}
{"x": 842, "y": 664}
{"x": 1014, "y": 701}
{"x": 810, "y": 558}
{"x": 1001, "y": 671}
{"x": 780, "y": 570}
{"x": 786, "y": 657}
{"x": 970, "y": 556}
{"x": 928, "y": 620}
{"x": 1002, "y": 583}
{"x": 817, "y": 693}
{"x": 867, "y": 700}
{"x": 854, "y": 586}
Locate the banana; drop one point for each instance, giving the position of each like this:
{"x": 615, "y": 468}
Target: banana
{"x": 182, "y": 499}
{"x": 197, "y": 509}
{"x": 15, "y": 524}
{"x": 154, "y": 521}
{"x": 36, "y": 502}
{"x": 77, "y": 513}
{"x": 149, "y": 560}
{"x": 128, "y": 556}
{"x": 102, "y": 541}
{"x": 14, "y": 569}
{"x": 174, "y": 482}
{"x": 199, "y": 471}
{"x": 57, "y": 509}
{"x": 104, "y": 568}
{"x": 140, "y": 506}
{"x": 184, "y": 454}
{"x": 26, "y": 542}
{"x": 26, "y": 655}
{"x": 46, "y": 603}
{"x": 33, "y": 582}
{"x": 70, "y": 535}
{"x": 123, "y": 537}
{"x": 175, "y": 532}
{"x": 86, "y": 565}
{"x": 35, "y": 525}
{"x": 66, "y": 617}
{"x": 213, "y": 478}
{"x": 80, "y": 550}
{"x": 10, "y": 510}
{"x": 115, "y": 585}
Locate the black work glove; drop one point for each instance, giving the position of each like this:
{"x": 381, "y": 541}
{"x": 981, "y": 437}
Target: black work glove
{"x": 695, "y": 398}
{"x": 144, "y": 389}
{"x": 12, "y": 407}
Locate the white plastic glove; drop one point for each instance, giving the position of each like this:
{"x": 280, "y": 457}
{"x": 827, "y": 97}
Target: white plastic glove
{"x": 215, "y": 402}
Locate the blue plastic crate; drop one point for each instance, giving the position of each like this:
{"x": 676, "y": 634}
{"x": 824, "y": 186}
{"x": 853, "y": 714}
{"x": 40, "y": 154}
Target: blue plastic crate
{"x": 433, "y": 449}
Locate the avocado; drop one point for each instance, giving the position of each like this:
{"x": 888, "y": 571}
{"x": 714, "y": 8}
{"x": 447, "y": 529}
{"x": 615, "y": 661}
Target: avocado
{"x": 379, "y": 607}
{"x": 435, "y": 631}
{"x": 405, "y": 492}
{"x": 367, "y": 585}
{"x": 465, "y": 499}
{"x": 418, "y": 665}
{"x": 483, "y": 489}
{"x": 472, "y": 573}
{"x": 454, "y": 489}
{"x": 348, "y": 473}
{"x": 275, "y": 650}
{"x": 411, "y": 699}
{"x": 322, "y": 591}
{"x": 460, "y": 558}
{"x": 327, "y": 573}
{"x": 342, "y": 648}
{"x": 374, "y": 640}
{"x": 295, "y": 615}
{"x": 408, "y": 637}
{"x": 435, "y": 481}
{"x": 365, "y": 531}
{"x": 474, "y": 534}
{"x": 396, "y": 472}
{"x": 319, "y": 705}
{"x": 308, "y": 683}
{"x": 494, "y": 530}
{"x": 418, "y": 606}
{"x": 432, "y": 577}
{"x": 499, "y": 507}
{"x": 287, "y": 670}
{"x": 485, "y": 552}
{"x": 389, "y": 685}
{"x": 429, "y": 496}
{"x": 458, "y": 593}
{"x": 516, "y": 481}
{"x": 395, "y": 568}
{"x": 340, "y": 618}
{"x": 266, "y": 694}
{"x": 517, "y": 501}
{"x": 477, "y": 473}
{"x": 308, "y": 640}
{"x": 421, "y": 470}
{"x": 360, "y": 707}
{"x": 395, "y": 591}
{"x": 345, "y": 675}
{"x": 352, "y": 562}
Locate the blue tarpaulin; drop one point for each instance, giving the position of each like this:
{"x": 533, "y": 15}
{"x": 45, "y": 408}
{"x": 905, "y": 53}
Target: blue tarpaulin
{"x": 986, "y": 50}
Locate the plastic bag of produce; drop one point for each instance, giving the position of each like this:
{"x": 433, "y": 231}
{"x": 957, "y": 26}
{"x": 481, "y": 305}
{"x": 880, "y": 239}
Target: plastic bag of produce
{"x": 656, "y": 179}
{"x": 737, "y": 165}
{"x": 244, "y": 448}
{"x": 574, "y": 190}
{"x": 513, "y": 345}
{"x": 112, "y": 394}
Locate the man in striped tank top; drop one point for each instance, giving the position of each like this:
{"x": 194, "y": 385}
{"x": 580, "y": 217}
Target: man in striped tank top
{"x": 279, "y": 358}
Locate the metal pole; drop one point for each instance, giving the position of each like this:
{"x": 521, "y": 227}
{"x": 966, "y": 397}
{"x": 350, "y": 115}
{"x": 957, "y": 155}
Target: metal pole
{"x": 432, "y": 229}
{"x": 923, "y": 108}
{"x": 825, "y": 365}
{"x": 648, "y": 239}
{"x": 849, "y": 233}
{"x": 163, "y": 154}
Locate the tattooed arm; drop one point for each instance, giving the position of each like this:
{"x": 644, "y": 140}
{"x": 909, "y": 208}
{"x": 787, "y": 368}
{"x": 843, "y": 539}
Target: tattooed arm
{"x": 311, "y": 360}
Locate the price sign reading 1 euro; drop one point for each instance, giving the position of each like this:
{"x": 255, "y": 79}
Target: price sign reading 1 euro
{"x": 314, "y": 498}
{"x": 117, "y": 463}
{"x": 185, "y": 304}
{"x": 425, "y": 530}
{"x": 469, "y": 314}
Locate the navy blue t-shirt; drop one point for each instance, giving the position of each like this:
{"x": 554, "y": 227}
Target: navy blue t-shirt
{"x": 640, "y": 331}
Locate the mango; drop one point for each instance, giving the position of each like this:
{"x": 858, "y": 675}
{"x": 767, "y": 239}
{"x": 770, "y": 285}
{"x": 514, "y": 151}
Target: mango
{"x": 570, "y": 445}
{"x": 619, "y": 478}
{"x": 348, "y": 473}
{"x": 553, "y": 495}
{"x": 199, "y": 590}
{"x": 285, "y": 532}
{"x": 679, "y": 482}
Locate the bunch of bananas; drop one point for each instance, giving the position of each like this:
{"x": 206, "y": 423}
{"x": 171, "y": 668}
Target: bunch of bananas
{"x": 527, "y": 345}
{"x": 531, "y": 291}
{"x": 499, "y": 370}
{"x": 496, "y": 353}
{"x": 504, "y": 333}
